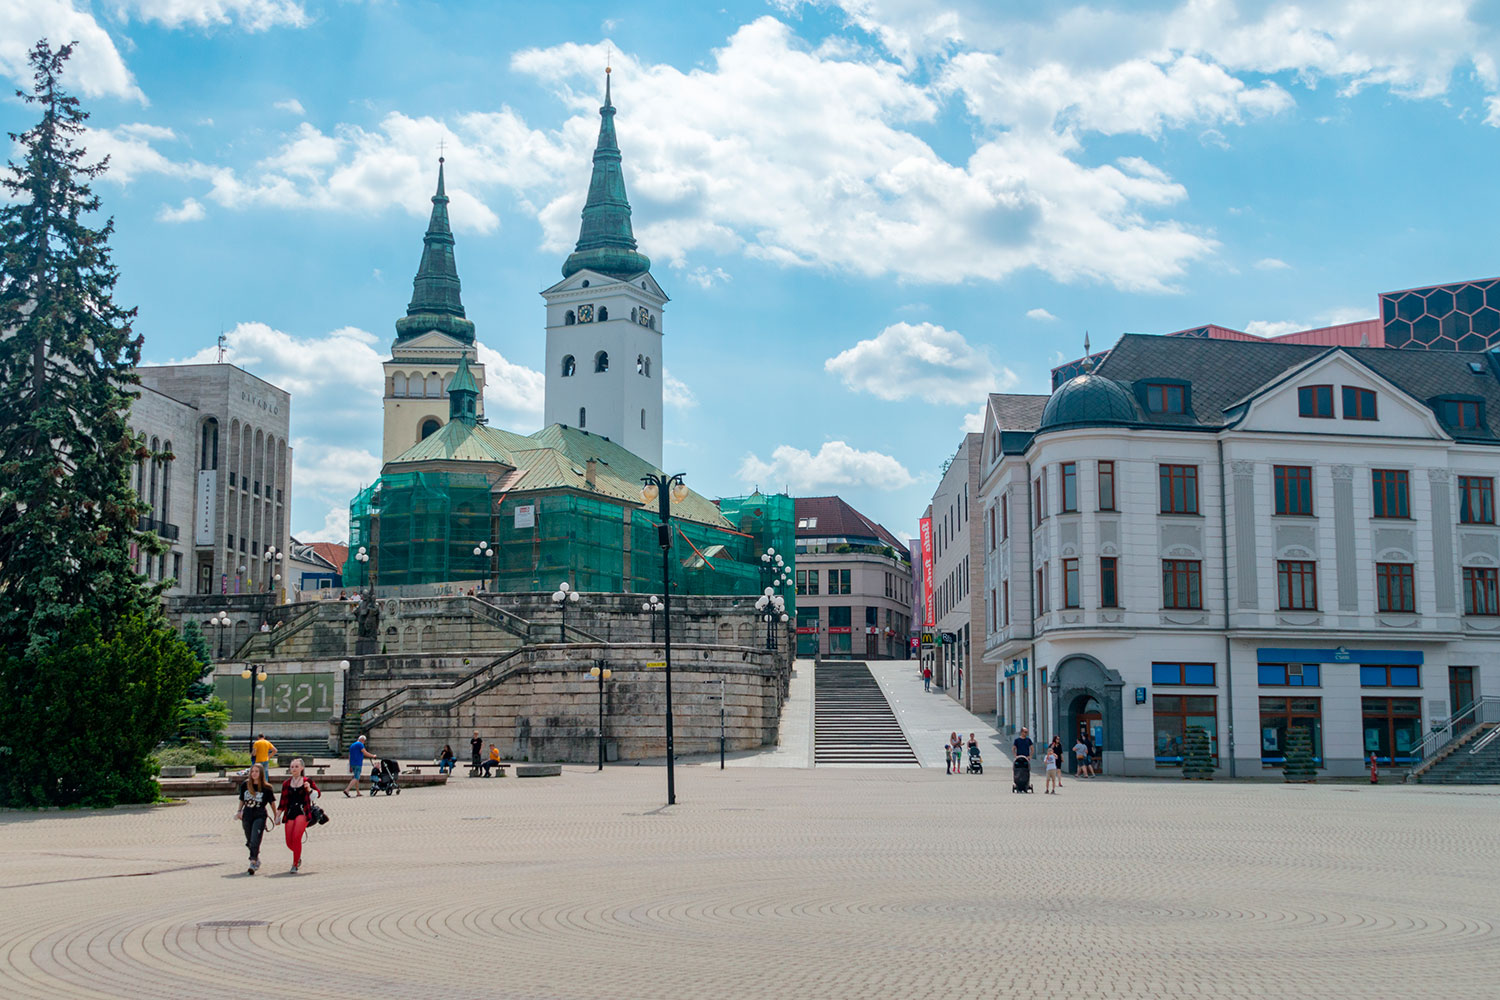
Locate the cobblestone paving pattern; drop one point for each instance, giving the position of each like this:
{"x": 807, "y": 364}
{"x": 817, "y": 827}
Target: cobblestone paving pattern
{"x": 771, "y": 883}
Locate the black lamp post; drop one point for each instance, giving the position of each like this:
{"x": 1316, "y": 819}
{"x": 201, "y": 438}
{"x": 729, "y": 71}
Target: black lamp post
{"x": 664, "y": 489}
{"x": 600, "y": 671}
{"x": 272, "y": 557}
{"x": 486, "y": 553}
{"x": 772, "y": 607}
{"x": 562, "y": 597}
{"x": 220, "y": 624}
{"x": 254, "y": 675}
{"x": 652, "y": 606}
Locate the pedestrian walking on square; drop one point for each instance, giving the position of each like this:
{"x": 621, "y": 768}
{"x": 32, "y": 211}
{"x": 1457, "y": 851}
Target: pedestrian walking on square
{"x": 256, "y": 804}
{"x": 1022, "y": 745}
{"x": 261, "y": 752}
{"x": 1052, "y": 773}
{"x": 297, "y": 793}
{"x": 1056, "y": 747}
{"x": 475, "y": 746}
{"x": 956, "y": 753}
{"x": 1081, "y": 759}
{"x": 926, "y": 678}
{"x": 357, "y": 757}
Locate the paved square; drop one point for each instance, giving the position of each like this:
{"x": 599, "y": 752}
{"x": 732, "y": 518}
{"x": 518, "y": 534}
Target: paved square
{"x": 771, "y": 883}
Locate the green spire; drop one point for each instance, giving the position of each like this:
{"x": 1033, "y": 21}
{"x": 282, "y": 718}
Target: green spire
{"x": 463, "y": 394}
{"x": 435, "y": 302}
{"x": 605, "y": 242}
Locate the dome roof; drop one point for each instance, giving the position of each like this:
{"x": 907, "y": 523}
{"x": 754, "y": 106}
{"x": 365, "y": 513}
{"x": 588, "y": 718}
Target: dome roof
{"x": 1089, "y": 400}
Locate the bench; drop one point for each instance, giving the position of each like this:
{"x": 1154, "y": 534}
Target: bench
{"x": 179, "y": 771}
{"x": 478, "y": 772}
{"x": 538, "y": 770}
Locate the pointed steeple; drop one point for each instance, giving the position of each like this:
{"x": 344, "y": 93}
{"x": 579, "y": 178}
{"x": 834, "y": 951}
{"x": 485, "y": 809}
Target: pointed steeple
{"x": 435, "y": 302}
{"x": 605, "y": 241}
{"x": 463, "y": 394}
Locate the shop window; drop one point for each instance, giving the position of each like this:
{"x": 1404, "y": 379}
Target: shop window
{"x": 1359, "y": 404}
{"x": 1395, "y": 587}
{"x": 1476, "y": 499}
{"x": 1392, "y": 492}
{"x": 1278, "y": 716}
{"x": 1179, "y": 489}
{"x": 1380, "y": 676}
{"x": 1182, "y": 584}
{"x": 1173, "y": 715}
{"x": 1106, "y": 485}
{"x": 1480, "y": 591}
{"x": 1297, "y": 585}
{"x": 1183, "y": 674}
{"x": 1315, "y": 401}
{"x": 1289, "y": 674}
{"x": 1392, "y": 729}
{"x": 1294, "y": 489}
{"x": 1109, "y": 585}
{"x": 1071, "y": 596}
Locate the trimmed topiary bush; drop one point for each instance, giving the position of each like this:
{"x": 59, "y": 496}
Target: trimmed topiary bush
{"x": 1299, "y": 766}
{"x": 1197, "y": 758}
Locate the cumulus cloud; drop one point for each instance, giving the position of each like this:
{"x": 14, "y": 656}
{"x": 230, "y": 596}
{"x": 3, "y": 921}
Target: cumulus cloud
{"x": 676, "y": 393}
{"x": 327, "y": 476}
{"x": 251, "y": 15}
{"x": 1273, "y": 328}
{"x": 835, "y": 466}
{"x": 96, "y": 69}
{"x": 1041, "y": 315}
{"x": 923, "y": 361}
{"x": 513, "y": 393}
{"x": 1272, "y": 264}
{"x": 191, "y": 210}
{"x": 973, "y": 422}
{"x": 332, "y": 366}
{"x": 290, "y": 105}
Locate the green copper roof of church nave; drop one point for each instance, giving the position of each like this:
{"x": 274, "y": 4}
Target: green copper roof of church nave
{"x": 605, "y": 241}
{"x": 435, "y": 302}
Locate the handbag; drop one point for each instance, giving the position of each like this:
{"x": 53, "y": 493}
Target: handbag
{"x": 315, "y": 814}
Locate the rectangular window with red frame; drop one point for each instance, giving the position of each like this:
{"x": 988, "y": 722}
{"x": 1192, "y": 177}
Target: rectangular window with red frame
{"x": 1395, "y": 586}
{"x": 1004, "y": 603}
{"x": 1182, "y": 584}
{"x": 1179, "y": 489}
{"x": 1071, "y": 594}
{"x": 1041, "y": 590}
{"x": 1391, "y": 492}
{"x": 1106, "y": 485}
{"x": 1004, "y": 517}
{"x": 1359, "y": 404}
{"x": 1069, "y": 487}
{"x": 1481, "y": 591}
{"x": 1476, "y": 499}
{"x": 1294, "y": 490}
{"x": 1315, "y": 401}
{"x": 1109, "y": 582}
{"x": 1039, "y": 511}
{"x": 1297, "y": 585}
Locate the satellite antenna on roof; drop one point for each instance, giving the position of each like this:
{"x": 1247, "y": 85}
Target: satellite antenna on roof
{"x": 222, "y": 341}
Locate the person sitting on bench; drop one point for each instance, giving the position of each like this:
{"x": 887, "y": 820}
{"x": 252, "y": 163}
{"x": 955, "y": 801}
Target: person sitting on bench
{"x": 493, "y": 761}
{"x": 446, "y": 760}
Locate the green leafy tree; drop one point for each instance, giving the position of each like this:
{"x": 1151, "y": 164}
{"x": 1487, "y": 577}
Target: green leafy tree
{"x": 68, "y": 515}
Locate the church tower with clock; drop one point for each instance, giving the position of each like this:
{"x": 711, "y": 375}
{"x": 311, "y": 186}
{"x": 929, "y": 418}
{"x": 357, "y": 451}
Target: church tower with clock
{"x": 604, "y": 319}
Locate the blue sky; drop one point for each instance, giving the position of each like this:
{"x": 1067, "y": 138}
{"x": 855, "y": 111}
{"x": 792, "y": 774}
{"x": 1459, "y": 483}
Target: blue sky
{"x": 868, "y": 213}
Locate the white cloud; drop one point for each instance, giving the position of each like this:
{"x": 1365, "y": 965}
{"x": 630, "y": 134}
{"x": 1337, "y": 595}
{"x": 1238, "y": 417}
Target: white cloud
{"x": 923, "y": 361}
{"x": 96, "y": 68}
{"x": 131, "y": 152}
{"x": 676, "y": 393}
{"x": 1344, "y": 314}
{"x": 330, "y": 476}
{"x": 1272, "y": 264}
{"x": 290, "y": 105}
{"x": 251, "y": 15}
{"x": 1041, "y": 315}
{"x": 191, "y": 210}
{"x": 1492, "y": 111}
{"x": 310, "y": 368}
{"x": 835, "y": 466}
{"x": 335, "y": 527}
{"x": 705, "y": 277}
{"x": 513, "y": 393}
{"x": 1273, "y": 328}
{"x": 973, "y": 423}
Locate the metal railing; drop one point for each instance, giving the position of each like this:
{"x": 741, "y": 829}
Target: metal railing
{"x": 1483, "y": 711}
{"x": 168, "y": 531}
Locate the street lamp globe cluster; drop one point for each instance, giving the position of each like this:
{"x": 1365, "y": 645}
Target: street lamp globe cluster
{"x": 220, "y": 623}
{"x": 485, "y": 552}
{"x": 772, "y": 609}
{"x": 272, "y": 558}
{"x": 255, "y": 676}
{"x": 653, "y": 607}
{"x": 562, "y": 597}
{"x": 781, "y": 573}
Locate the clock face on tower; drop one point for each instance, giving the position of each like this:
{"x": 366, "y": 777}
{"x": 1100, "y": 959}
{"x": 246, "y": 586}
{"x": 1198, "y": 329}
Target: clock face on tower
{"x": 644, "y": 317}
{"x": 585, "y": 314}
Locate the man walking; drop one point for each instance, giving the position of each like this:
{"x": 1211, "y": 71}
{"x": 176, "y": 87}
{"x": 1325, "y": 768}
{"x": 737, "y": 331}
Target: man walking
{"x": 1022, "y": 744}
{"x": 1081, "y": 761}
{"x": 357, "y": 756}
{"x": 261, "y": 752}
{"x": 926, "y": 678}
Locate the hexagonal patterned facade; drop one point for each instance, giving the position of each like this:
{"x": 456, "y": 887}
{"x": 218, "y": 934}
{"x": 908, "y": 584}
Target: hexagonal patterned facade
{"x": 1464, "y": 316}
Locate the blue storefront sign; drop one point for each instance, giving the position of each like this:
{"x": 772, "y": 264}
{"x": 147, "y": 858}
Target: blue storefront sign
{"x": 1016, "y": 667}
{"x": 1340, "y": 654}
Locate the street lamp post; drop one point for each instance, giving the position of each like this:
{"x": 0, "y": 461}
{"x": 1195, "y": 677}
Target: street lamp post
{"x": 603, "y": 673}
{"x": 562, "y": 597}
{"x": 484, "y": 551}
{"x": 665, "y": 489}
{"x": 219, "y": 623}
{"x": 780, "y": 580}
{"x": 652, "y": 606}
{"x": 254, "y": 675}
{"x": 273, "y": 566}
{"x": 772, "y": 608}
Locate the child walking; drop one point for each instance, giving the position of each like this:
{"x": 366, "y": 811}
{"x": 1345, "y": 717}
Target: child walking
{"x": 1053, "y": 778}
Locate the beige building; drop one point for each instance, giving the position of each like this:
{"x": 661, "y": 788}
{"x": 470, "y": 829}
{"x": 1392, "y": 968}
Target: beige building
{"x": 853, "y": 582}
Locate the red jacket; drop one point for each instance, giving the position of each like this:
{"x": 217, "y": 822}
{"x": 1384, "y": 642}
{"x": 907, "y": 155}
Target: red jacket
{"x": 296, "y": 801}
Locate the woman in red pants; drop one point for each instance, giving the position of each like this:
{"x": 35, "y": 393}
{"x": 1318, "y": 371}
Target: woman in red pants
{"x": 296, "y": 804}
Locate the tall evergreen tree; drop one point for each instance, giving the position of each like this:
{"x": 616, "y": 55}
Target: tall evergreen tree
{"x": 68, "y": 516}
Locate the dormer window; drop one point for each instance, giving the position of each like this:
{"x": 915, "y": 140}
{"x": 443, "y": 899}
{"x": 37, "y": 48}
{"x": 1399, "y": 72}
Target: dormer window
{"x": 1359, "y": 404}
{"x": 1165, "y": 397}
{"x": 1461, "y": 414}
{"x": 1315, "y": 401}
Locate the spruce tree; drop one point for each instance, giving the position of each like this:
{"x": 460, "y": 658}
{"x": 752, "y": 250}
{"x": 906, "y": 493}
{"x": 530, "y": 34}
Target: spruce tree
{"x": 1299, "y": 765}
{"x": 73, "y": 606}
{"x": 1198, "y": 760}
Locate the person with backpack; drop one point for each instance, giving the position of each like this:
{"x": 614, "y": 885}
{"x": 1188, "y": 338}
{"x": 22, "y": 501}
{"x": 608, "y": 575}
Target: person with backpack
{"x": 296, "y": 809}
{"x": 257, "y": 801}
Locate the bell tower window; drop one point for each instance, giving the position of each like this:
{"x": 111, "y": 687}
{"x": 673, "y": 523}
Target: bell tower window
{"x": 603, "y": 313}
{"x": 601, "y": 361}
{"x": 583, "y": 417}
{"x": 569, "y": 366}
{"x": 569, "y": 318}
{"x": 430, "y": 426}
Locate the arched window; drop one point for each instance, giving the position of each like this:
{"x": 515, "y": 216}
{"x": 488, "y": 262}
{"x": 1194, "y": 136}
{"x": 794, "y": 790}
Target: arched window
{"x": 643, "y": 420}
{"x": 151, "y": 497}
{"x": 166, "y": 483}
{"x": 603, "y": 313}
{"x": 640, "y": 364}
{"x": 398, "y": 385}
{"x": 583, "y": 417}
{"x": 208, "y": 453}
{"x": 601, "y": 361}
{"x": 430, "y": 426}
{"x": 648, "y": 367}
{"x": 569, "y": 319}
{"x": 653, "y": 322}
{"x": 569, "y": 366}
{"x": 633, "y": 314}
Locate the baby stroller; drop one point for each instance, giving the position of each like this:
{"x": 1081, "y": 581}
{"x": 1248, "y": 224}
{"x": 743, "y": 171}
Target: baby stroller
{"x": 1022, "y": 775}
{"x": 976, "y": 765}
{"x": 383, "y": 778}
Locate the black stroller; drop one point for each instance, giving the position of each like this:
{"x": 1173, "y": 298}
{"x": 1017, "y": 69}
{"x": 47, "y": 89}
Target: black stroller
{"x": 1022, "y": 775}
{"x": 976, "y": 764}
{"x": 384, "y": 777}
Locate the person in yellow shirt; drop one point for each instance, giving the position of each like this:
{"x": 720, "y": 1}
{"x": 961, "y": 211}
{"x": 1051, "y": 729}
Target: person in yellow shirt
{"x": 261, "y": 751}
{"x": 494, "y": 759}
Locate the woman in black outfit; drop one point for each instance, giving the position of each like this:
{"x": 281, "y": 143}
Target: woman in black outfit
{"x": 256, "y": 802}
{"x": 1056, "y": 747}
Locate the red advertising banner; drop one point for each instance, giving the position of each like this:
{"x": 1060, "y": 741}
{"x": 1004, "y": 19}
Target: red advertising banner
{"x": 928, "y": 617}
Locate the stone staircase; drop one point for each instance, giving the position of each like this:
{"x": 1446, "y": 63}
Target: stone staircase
{"x": 1473, "y": 759}
{"x": 853, "y": 724}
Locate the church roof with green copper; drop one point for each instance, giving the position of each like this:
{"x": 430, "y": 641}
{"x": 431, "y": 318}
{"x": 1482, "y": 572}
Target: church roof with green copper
{"x": 605, "y": 241}
{"x": 435, "y": 301}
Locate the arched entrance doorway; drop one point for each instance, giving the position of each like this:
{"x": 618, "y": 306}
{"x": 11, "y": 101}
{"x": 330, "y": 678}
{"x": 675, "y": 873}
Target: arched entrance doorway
{"x": 1086, "y": 697}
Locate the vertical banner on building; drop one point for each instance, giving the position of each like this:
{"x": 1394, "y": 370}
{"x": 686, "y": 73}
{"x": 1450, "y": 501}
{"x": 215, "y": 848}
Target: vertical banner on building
{"x": 203, "y": 516}
{"x": 928, "y": 617}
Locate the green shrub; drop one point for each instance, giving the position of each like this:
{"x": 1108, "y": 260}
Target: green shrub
{"x": 203, "y": 721}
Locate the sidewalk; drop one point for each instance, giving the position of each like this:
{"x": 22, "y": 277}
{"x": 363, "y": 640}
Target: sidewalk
{"x": 795, "y": 748}
{"x": 928, "y": 717}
